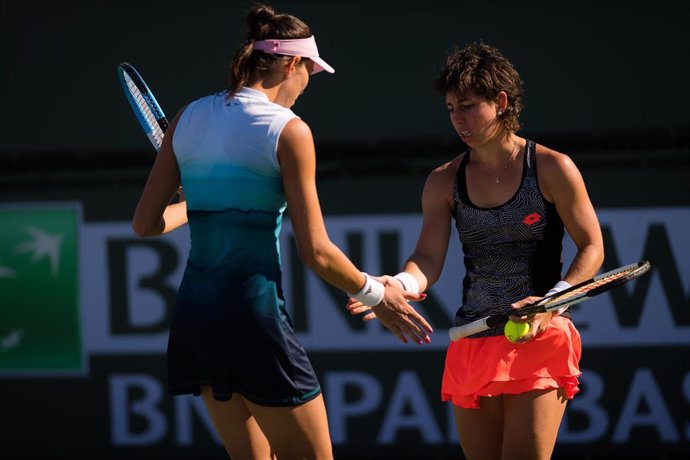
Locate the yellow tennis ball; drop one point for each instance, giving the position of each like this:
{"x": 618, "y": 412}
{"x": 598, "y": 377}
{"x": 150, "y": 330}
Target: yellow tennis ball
{"x": 514, "y": 331}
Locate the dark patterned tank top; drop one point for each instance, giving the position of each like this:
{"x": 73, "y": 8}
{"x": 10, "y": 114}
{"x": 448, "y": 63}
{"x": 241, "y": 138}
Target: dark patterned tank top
{"x": 511, "y": 251}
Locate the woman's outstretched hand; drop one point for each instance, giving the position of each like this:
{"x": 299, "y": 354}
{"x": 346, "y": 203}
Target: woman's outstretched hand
{"x": 395, "y": 312}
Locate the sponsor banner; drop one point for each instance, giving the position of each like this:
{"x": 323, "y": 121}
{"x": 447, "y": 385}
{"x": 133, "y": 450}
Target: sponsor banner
{"x": 40, "y": 320}
{"x": 384, "y": 403}
{"x": 129, "y": 284}
{"x": 100, "y": 301}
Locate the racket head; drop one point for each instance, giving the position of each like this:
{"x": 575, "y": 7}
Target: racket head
{"x": 582, "y": 291}
{"x": 567, "y": 297}
{"x": 141, "y": 99}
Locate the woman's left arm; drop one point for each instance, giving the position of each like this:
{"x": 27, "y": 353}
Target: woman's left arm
{"x": 563, "y": 185}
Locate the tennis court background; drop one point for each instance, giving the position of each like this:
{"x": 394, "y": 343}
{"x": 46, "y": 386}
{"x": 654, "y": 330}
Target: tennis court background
{"x": 604, "y": 82}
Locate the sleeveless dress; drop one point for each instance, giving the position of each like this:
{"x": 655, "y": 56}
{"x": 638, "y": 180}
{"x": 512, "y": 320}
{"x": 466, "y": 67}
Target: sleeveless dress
{"x": 230, "y": 329}
{"x": 511, "y": 251}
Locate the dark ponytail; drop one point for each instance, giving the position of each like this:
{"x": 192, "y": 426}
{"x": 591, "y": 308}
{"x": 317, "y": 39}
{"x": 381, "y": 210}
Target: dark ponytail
{"x": 262, "y": 23}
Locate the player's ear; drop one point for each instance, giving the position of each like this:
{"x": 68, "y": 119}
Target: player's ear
{"x": 501, "y": 101}
{"x": 291, "y": 65}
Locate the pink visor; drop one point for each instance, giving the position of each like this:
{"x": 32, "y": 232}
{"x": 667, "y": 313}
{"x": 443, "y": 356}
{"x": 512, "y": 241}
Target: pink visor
{"x": 303, "y": 47}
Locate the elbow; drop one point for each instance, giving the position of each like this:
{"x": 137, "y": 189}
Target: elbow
{"x": 312, "y": 260}
{"x": 315, "y": 257}
{"x": 141, "y": 229}
{"x": 139, "y": 224}
{"x": 596, "y": 255}
{"x": 600, "y": 256}
{"x": 599, "y": 252}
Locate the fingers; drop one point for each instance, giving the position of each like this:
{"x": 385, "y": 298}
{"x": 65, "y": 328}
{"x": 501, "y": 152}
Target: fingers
{"x": 369, "y": 316}
{"x": 414, "y": 297}
{"x": 397, "y": 315}
{"x": 420, "y": 334}
{"x": 526, "y": 301}
{"x": 529, "y": 336}
{"x": 409, "y": 324}
{"x": 416, "y": 328}
{"x": 357, "y": 309}
{"x": 539, "y": 323}
{"x": 416, "y": 317}
{"x": 521, "y": 319}
{"x": 420, "y": 321}
{"x": 517, "y": 318}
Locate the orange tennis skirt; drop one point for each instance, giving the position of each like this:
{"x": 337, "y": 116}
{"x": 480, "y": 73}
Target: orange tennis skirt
{"x": 490, "y": 366}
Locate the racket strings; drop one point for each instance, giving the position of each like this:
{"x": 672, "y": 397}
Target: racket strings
{"x": 146, "y": 109}
{"x": 572, "y": 296}
{"x": 590, "y": 286}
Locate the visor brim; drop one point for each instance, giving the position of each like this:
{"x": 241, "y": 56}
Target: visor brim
{"x": 321, "y": 65}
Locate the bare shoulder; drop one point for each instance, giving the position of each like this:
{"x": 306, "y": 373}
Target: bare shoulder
{"x": 556, "y": 171}
{"x": 551, "y": 160}
{"x": 554, "y": 166}
{"x": 296, "y": 130}
{"x": 446, "y": 171}
{"x": 296, "y": 143}
{"x": 440, "y": 181}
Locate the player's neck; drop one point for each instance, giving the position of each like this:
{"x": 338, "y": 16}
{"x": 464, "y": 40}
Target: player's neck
{"x": 494, "y": 152}
{"x": 271, "y": 92}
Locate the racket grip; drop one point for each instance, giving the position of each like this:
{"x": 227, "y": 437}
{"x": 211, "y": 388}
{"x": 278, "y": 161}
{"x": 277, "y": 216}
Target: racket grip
{"x": 458, "y": 332}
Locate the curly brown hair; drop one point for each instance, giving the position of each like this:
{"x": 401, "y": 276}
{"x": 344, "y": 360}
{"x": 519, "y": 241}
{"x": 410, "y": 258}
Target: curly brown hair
{"x": 484, "y": 70}
{"x": 262, "y": 23}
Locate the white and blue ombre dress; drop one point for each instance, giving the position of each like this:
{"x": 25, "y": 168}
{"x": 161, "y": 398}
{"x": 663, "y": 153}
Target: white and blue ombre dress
{"x": 230, "y": 329}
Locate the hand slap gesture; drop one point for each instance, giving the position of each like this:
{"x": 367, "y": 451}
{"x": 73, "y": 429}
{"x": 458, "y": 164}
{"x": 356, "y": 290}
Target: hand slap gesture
{"x": 396, "y": 313}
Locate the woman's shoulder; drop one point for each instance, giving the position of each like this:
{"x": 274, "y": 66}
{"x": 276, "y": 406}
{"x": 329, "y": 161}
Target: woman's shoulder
{"x": 208, "y": 98}
{"x": 449, "y": 168}
{"x": 296, "y": 138}
{"x": 444, "y": 175}
{"x": 550, "y": 160}
{"x": 200, "y": 103}
{"x": 556, "y": 171}
{"x": 296, "y": 128}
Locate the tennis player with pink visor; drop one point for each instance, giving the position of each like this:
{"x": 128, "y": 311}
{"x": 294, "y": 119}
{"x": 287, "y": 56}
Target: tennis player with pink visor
{"x": 243, "y": 157}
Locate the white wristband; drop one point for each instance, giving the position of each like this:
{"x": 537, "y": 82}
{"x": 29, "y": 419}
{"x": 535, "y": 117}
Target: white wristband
{"x": 560, "y": 286}
{"x": 371, "y": 293}
{"x": 408, "y": 282}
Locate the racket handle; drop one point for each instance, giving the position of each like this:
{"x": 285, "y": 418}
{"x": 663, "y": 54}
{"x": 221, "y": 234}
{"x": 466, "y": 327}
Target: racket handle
{"x": 458, "y": 332}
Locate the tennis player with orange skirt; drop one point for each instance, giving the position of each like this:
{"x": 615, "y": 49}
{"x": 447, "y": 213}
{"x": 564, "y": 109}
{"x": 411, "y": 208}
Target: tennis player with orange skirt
{"x": 512, "y": 200}
{"x": 243, "y": 156}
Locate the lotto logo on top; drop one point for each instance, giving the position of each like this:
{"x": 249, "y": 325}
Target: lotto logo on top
{"x": 40, "y": 329}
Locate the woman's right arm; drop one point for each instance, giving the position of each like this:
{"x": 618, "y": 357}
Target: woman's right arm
{"x": 154, "y": 215}
{"x": 298, "y": 164}
{"x": 426, "y": 262}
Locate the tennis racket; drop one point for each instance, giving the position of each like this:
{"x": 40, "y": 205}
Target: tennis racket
{"x": 144, "y": 104}
{"x": 572, "y": 295}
